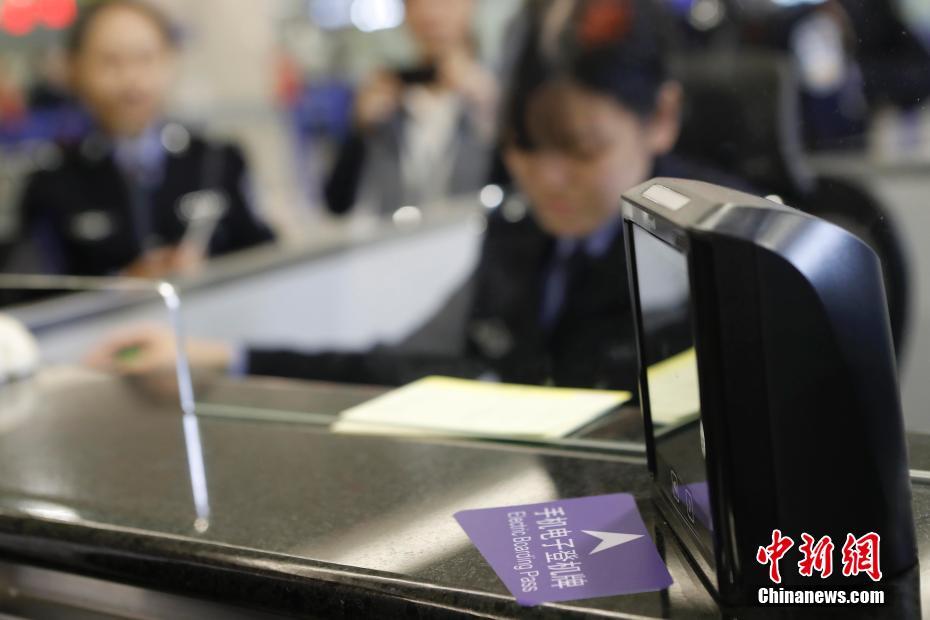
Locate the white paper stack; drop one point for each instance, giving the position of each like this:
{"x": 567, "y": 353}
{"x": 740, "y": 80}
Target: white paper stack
{"x": 458, "y": 407}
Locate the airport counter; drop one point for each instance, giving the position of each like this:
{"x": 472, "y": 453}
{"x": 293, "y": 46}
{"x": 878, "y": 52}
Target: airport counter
{"x": 112, "y": 502}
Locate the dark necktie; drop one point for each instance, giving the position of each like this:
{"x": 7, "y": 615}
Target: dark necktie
{"x": 563, "y": 277}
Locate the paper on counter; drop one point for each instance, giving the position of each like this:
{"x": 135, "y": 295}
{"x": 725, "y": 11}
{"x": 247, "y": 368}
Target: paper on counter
{"x": 673, "y": 388}
{"x": 446, "y": 406}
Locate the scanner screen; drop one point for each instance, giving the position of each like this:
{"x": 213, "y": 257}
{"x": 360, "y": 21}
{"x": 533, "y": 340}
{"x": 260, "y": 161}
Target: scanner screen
{"x": 672, "y": 383}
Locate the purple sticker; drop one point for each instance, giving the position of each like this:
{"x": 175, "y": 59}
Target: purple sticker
{"x": 568, "y": 549}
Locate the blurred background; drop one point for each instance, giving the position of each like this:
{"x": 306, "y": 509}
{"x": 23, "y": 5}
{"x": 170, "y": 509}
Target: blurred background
{"x": 276, "y": 77}
{"x": 821, "y": 102}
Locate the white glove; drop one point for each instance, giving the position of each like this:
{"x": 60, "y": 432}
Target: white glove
{"x": 19, "y": 353}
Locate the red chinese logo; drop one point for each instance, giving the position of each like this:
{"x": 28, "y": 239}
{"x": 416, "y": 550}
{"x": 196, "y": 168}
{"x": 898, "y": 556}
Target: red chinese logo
{"x": 817, "y": 557}
{"x": 773, "y": 553}
{"x": 860, "y": 555}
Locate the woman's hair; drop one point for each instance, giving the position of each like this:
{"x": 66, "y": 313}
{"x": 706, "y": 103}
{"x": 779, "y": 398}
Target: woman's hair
{"x": 615, "y": 48}
{"x": 77, "y": 35}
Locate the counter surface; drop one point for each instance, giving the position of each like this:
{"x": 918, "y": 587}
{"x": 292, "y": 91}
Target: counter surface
{"x": 286, "y": 517}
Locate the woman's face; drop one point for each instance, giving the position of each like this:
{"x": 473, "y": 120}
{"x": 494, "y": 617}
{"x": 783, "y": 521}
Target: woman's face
{"x": 439, "y": 26}
{"x": 123, "y": 70}
{"x": 591, "y": 150}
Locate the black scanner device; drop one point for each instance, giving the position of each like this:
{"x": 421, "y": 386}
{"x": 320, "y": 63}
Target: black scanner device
{"x": 786, "y": 403}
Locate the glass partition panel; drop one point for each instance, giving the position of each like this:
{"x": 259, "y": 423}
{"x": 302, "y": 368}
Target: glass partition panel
{"x": 66, "y": 374}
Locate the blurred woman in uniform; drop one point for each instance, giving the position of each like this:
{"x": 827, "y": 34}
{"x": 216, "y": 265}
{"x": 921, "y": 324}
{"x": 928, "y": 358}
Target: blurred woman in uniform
{"x": 591, "y": 113}
{"x": 139, "y": 195}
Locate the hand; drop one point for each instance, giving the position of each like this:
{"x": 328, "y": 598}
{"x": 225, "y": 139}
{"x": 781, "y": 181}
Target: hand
{"x": 151, "y": 349}
{"x": 461, "y": 73}
{"x": 377, "y": 100}
{"x": 164, "y": 262}
{"x": 187, "y": 259}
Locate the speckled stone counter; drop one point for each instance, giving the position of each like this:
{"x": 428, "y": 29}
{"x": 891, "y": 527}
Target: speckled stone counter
{"x": 281, "y": 517}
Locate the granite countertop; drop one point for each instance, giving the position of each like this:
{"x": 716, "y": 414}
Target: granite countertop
{"x": 287, "y": 517}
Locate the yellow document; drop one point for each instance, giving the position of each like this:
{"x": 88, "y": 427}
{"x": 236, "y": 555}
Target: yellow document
{"x": 458, "y": 407}
{"x": 673, "y": 388}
